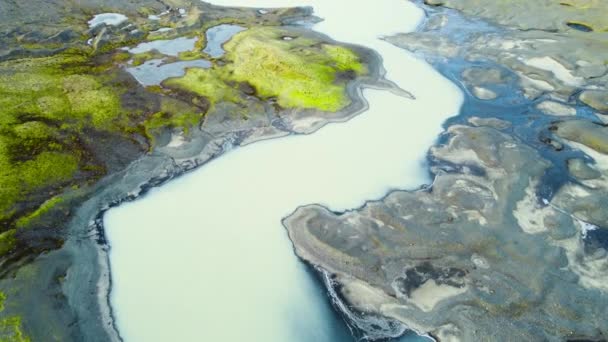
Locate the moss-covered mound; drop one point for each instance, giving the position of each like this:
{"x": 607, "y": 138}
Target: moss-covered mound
{"x": 299, "y": 72}
{"x": 44, "y": 104}
{"x": 59, "y": 116}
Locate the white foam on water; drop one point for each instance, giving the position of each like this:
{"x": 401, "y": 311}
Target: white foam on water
{"x": 205, "y": 257}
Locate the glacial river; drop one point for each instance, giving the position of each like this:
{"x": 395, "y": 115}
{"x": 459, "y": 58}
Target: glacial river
{"x": 205, "y": 257}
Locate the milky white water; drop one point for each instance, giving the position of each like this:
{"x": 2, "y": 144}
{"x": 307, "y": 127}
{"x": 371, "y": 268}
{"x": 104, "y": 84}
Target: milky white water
{"x": 205, "y": 258}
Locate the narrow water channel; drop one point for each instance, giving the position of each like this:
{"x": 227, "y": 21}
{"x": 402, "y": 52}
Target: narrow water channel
{"x": 205, "y": 257}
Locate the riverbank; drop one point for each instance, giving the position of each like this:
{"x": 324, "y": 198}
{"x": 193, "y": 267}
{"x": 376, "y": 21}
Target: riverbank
{"x": 515, "y": 206}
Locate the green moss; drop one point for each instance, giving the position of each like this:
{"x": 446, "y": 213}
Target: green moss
{"x": 10, "y": 327}
{"x": 166, "y": 119}
{"x": 299, "y": 73}
{"x": 87, "y": 97}
{"x": 173, "y": 114}
{"x": 52, "y": 107}
{"x": 48, "y": 90}
{"x": 10, "y": 187}
{"x": 189, "y": 55}
{"x": 345, "y": 59}
{"x": 146, "y": 11}
{"x": 32, "y": 137}
{"x": 44, "y": 104}
{"x": 48, "y": 167}
{"x": 7, "y": 243}
{"x": 121, "y": 56}
{"x": 181, "y": 114}
{"x": 31, "y": 159}
{"x": 11, "y": 331}
{"x": 209, "y": 83}
{"x": 41, "y": 211}
{"x": 155, "y": 89}
{"x": 141, "y": 58}
{"x": 67, "y": 62}
{"x": 33, "y": 130}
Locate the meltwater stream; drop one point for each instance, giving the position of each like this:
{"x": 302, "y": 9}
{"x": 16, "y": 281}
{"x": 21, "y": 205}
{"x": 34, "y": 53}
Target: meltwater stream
{"x": 205, "y": 257}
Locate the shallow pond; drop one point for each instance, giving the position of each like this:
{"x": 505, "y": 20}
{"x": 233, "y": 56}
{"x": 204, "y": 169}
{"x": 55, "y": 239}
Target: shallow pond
{"x": 217, "y": 36}
{"x": 154, "y": 71}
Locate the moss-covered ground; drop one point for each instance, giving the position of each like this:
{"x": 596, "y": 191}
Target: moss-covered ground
{"x": 10, "y": 325}
{"x": 44, "y": 104}
{"x": 299, "y": 73}
{"x": 50, "y": 110}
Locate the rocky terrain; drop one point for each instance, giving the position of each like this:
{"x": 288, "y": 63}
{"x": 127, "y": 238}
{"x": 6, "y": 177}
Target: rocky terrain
{"x": 509, "y": 241}
{"x": 477, "y": 250}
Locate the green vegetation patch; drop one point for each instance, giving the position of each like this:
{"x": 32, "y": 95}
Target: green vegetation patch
{"x": 173, "y": 114}
{"x": 11, "y": 331}
{"x": 45, "y": 103}
{"x": 141, "y": 58}
{"x": 48, "y": 108}
{"x": 10, "y": 326}
{"x": 7, "y": 242}
{"x": 210, "y": 83}
{"x": 25, "y": 221}
{"x": 59, "y": 89}
{"x": 299, "y": 73}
